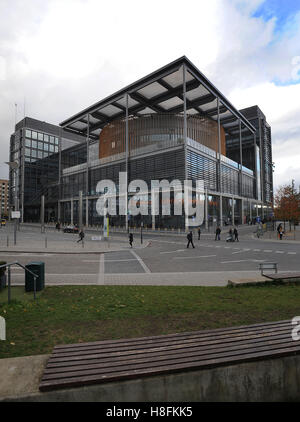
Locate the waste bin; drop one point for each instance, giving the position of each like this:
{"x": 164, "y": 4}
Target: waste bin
{"x": 37, "y": 268}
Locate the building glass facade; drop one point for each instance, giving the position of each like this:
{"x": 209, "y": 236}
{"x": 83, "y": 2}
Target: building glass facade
{"x": 171, "y": 125}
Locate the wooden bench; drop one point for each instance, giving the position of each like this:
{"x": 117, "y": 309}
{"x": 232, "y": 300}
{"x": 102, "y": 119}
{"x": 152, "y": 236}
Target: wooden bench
{"x": 267, "y": 266}
{"x": 284, "y": 276}
{"x": 74, "y": 365}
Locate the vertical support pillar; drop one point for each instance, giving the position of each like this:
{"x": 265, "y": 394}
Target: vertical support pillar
{"x": 219, "y": 164}
{"x": 206, "y": 209}
{"x": 153, "y": 198}
{"x": 42, "y": 213}
{"x": 232, "y": 210}
{"x": 86, "y": 211}
{"x": 126, "y": 155}
{"x": 87, "y": 171}
{"x": 241, "y": 160}
{"x": 72, "y": 211}
{"x": 261, "y": 171}
{"x": 80, "y": 210}
{"x": 250, "y": 210}
{"x": 255, "y": 167}
{"x": 59, "y": 176}
{"x": 242, "y": 211}
{"x": 186, "y": 217}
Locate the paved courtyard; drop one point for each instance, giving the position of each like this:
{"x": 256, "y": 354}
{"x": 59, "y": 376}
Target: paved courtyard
{"x": 162, "y": 258}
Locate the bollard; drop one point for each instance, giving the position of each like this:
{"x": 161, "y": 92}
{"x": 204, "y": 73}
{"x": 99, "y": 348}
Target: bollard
{"x": 7, "y": 241}
{"x": 46, "y": 242}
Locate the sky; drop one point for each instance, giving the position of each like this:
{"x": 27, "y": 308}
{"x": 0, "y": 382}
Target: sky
{"x": 58, "y": 57}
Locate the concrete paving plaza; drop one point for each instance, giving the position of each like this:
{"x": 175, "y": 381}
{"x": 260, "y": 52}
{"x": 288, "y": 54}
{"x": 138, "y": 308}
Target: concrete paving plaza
{"x": 162, "y": 259}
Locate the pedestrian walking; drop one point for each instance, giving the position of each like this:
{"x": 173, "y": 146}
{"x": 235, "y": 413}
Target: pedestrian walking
{"x": 236, "y": 234}
{"x": 81, "y": 236}
{"x": 218, "y": 232}
{"x": 130, "y": 239}
{"x": 280, "y": 232}
{"x": 190, "y": 239}
{"x": 199, "y": 233}
{"x": 279, "y": 228}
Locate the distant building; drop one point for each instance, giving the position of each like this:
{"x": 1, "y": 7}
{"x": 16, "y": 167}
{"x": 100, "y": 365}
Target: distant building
{"x": 35, "y": 146}
{"x": 4, "y": 198}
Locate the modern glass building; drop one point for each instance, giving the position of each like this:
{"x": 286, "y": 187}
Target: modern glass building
{"x": 35, "y": 148}
{"x": 171, "y": 124}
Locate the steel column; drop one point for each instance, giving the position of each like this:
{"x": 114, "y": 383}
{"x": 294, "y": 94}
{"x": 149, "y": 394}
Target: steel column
{"x": 72, "y": 211}
{"x": 185, "y": 141}
{"x": 42, "y": 213}
{"x": 241, "y": 159}
{"x": 80, "y": 210}
{"x": 219, "y": 163}
{"x": 126, "y": 155}
{"x": 206, "y": 209}
{"x": 87, "y": 170}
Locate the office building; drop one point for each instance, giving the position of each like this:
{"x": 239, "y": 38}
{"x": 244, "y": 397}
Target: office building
{"x": 171, "y": 124}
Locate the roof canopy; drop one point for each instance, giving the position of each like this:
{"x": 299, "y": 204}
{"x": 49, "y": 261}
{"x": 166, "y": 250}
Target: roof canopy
{"x": 160, "y": 92}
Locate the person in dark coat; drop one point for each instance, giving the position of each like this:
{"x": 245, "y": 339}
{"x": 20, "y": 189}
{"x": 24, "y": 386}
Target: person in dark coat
{"x": 236, "y": 234}
{"x": 218, "y": 232}
{"x": 199, "y": 233}
{"x": 81, "y": 236}
{"x": 190, "y": 239}
{"x": 130, "y": 239}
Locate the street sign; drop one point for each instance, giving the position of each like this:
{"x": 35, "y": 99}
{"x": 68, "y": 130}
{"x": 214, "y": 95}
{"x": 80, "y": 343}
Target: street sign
{"x": 15, "y": 214}
{"x": 96, "y": 237}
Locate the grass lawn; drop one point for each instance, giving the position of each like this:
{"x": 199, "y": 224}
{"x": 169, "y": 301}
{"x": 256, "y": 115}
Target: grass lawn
{"x": 72, "y": 314}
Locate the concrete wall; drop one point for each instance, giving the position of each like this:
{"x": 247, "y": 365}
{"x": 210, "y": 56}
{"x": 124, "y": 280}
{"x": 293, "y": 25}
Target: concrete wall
{"x": 270, "y": 380}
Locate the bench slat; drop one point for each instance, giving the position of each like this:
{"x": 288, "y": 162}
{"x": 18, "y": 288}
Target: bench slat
{"x": 134, "y": 349}
{"x": 205, "y": 333}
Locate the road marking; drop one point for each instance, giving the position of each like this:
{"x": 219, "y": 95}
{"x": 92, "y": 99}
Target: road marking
{"x": 112, "y": 260}
{"x": 256, "y": 250}
{"x": 179, "y": 250}
{"x": 279, "y": 251}
{"x": 243, "y": 250}
{"x": 101, "y": 269}
{"x": 243, "y": 260}
{"x": 292, "y": 253}
{"x": 267, "y": 250}
{"x": 146, "y": 269}
{"x": 193, "y": 257}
